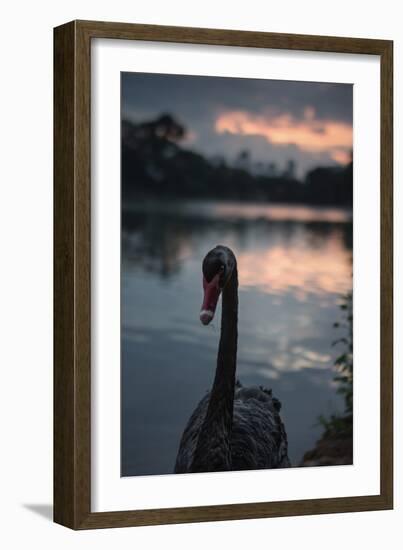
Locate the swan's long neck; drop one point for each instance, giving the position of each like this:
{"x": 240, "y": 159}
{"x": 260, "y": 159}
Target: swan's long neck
{"x": 213, "y": 451}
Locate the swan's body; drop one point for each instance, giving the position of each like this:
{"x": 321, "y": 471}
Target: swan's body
{"x": 232, "y": 428}
{"x": 258, "y": 438}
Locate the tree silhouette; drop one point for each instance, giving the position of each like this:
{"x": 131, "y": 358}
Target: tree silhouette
{"x": 156, "y": 165}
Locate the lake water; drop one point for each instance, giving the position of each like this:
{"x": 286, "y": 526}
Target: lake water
{"x": 294, "y": 263}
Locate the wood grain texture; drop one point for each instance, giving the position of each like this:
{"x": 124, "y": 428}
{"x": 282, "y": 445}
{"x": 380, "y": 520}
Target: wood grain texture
{"x": 220, "y": 37}
{"x": 64, "y": 382}
{"x": 72, "y": 263}
{"x": 387, "y": 273}
{"x": 72, "y": 322}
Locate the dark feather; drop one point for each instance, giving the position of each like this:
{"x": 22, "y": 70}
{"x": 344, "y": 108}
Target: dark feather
{"x": 258, "y": 438}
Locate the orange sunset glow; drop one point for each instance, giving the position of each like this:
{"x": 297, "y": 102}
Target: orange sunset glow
{"x": 299, "y": 270}
{"x": 308, "y": 134}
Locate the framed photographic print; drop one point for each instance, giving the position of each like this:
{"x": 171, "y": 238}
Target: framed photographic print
{"x": 222, "y": 275}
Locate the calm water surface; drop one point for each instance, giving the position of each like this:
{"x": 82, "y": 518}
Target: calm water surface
{"x": 294, "y": 263}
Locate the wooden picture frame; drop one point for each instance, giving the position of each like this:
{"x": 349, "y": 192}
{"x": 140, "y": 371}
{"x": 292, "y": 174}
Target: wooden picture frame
{"x": 72, "y": 269}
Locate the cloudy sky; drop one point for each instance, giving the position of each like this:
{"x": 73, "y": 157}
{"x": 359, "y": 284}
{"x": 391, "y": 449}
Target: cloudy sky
{"x": 276, "y": 120}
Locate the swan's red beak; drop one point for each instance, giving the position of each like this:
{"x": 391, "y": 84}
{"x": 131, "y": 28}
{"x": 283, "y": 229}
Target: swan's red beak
{"x": 211, "y": 294}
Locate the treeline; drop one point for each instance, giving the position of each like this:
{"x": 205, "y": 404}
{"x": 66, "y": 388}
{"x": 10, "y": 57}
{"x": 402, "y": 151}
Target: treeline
{"x": 155, "y": 165}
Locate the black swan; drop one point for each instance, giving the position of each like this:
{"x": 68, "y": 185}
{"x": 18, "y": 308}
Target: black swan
{"x": 232, "y": 428}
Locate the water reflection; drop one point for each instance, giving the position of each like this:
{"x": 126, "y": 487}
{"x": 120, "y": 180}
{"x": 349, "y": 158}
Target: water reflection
{"x": 279, "y": 248}
{"x": 298, "y": 268}
{"x": 294, "y": 262}
{"x": 279, "y": 212}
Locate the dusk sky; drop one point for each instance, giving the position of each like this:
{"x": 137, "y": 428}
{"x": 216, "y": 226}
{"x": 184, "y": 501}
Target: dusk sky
{"x": 276, "y": 120}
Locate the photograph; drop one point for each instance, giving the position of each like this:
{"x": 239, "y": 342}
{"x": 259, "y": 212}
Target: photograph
{"x": 201, "y": 343}
{"x": 236, "y": 274}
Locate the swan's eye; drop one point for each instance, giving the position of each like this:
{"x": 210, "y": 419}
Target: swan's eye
{"x": 222, "y": 268}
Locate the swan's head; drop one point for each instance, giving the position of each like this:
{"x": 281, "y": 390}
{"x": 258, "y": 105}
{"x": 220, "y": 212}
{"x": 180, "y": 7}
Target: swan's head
{"x": 217, "y": 268}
